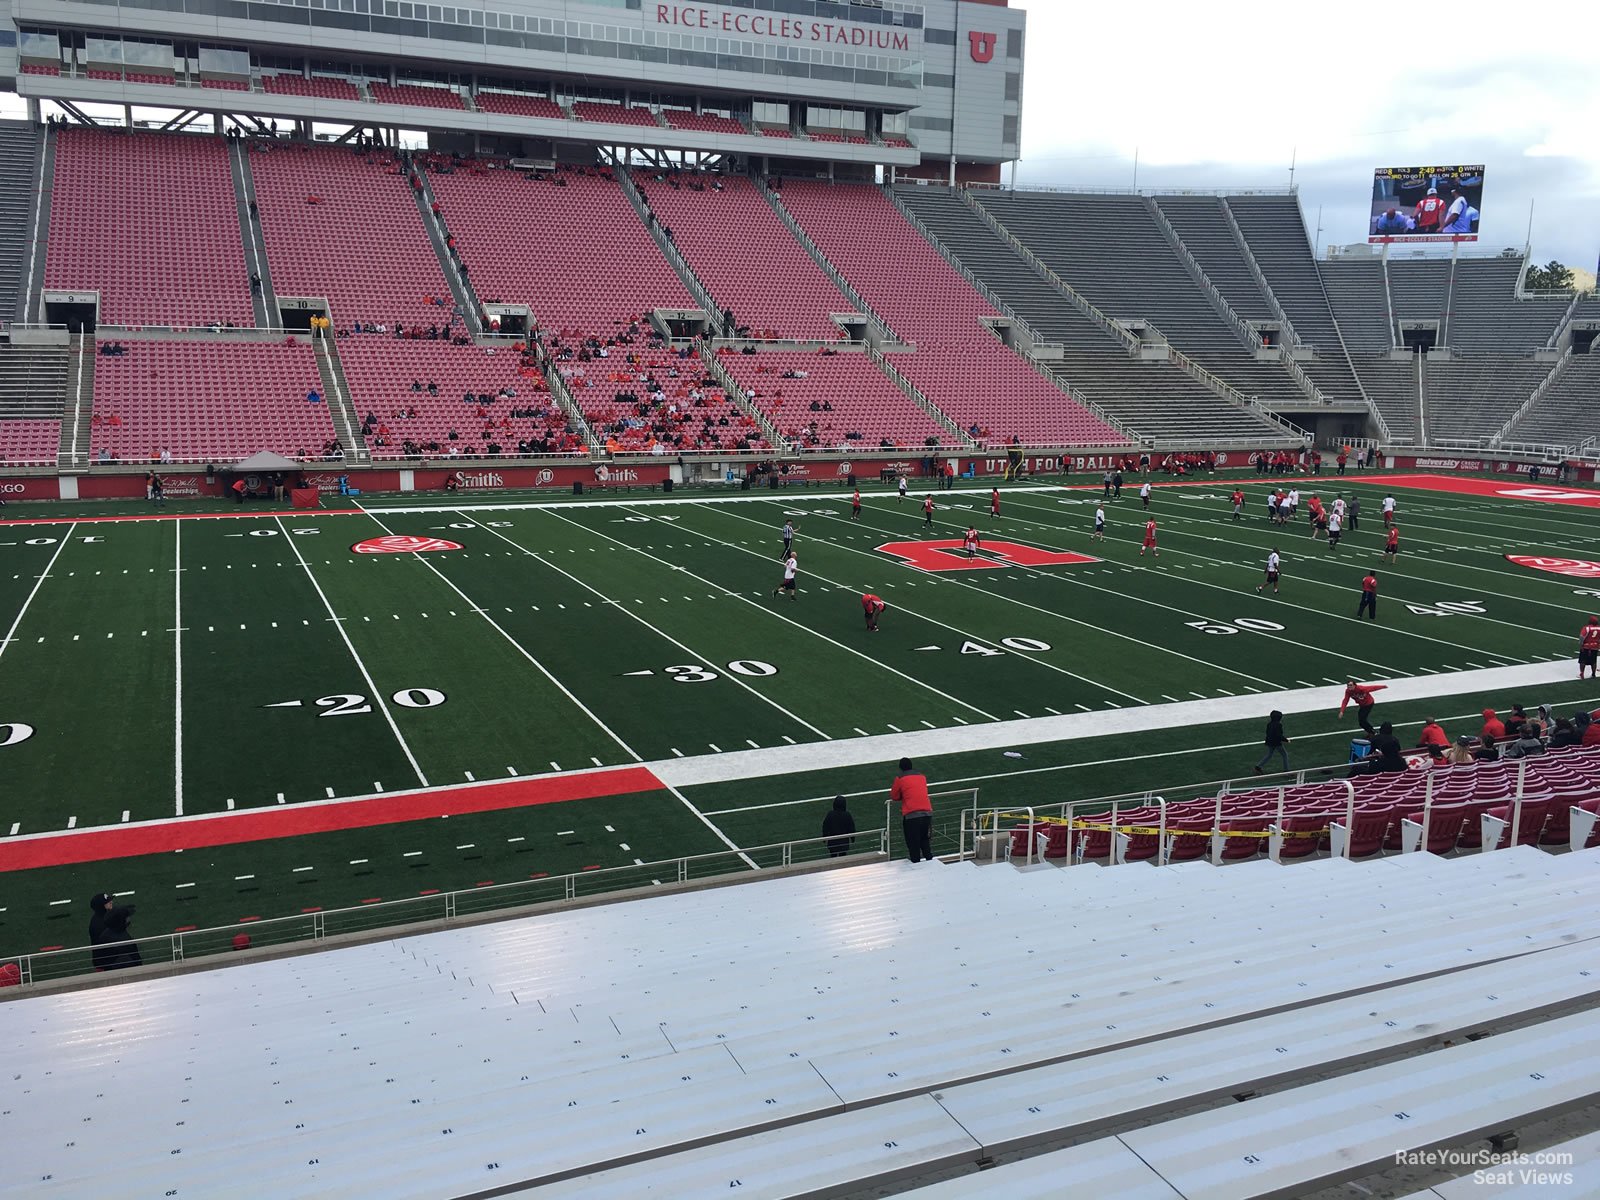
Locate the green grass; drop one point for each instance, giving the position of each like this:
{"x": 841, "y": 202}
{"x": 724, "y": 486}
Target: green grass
{"x": 568, "y": 635}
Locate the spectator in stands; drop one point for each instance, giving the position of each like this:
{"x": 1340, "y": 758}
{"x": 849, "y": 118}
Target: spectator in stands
{"x": 1276, "y": 740}
{"x": 1591, "y": 731}
{"x": 1460, "y": 754}
{"x": 1434, "y": 739}
{"x": 1528, "y": 743}
{"x": 1386, "y": 749}
{"x": 108, "y": 934}
{"x": 1515, "y": 722}
{"x": 910, "y": 791}
{"x": 839, "y": 827}
{"x": 1492, "y": 726}
{"x": 1488, "y": 749}
{"x": 1566, "y": 734}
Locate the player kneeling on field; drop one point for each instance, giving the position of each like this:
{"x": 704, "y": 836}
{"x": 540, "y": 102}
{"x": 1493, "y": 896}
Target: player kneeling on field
{"x": 872, "y": 605}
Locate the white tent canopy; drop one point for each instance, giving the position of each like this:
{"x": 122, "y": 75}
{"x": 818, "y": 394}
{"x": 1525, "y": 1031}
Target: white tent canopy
{"x": 266, "y": 460}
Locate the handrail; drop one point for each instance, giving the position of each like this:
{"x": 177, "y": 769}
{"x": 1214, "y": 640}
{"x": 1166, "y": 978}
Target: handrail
{"x": 1134, "y": 191}
{"x": 557, "y": 383}
{"x": 1527, "y": 405}
{"x": 448, "y": 907}
{"x": 1422, "y": 402}
{"x": 1248, "y": 335}
{"x": 669, "y": 249}
{"x": 731, "y": 388}
{"x": 1228, "y": 392}
{"x": 918, "y": 397}
{"x": 1566, "y": 319}
{"x": 829, "y": 268}
{"x": 1074, "y": 297}
{"x": 1260, "y": 276}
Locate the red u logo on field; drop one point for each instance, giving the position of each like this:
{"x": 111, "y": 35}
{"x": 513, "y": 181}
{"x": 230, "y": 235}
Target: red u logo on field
{"x": 951, "y": 555}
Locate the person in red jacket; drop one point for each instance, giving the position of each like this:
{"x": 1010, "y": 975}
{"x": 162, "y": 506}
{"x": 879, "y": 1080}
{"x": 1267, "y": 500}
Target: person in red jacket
{"x": 1391, "y": 547}
{"x": 910, "y": 791}
{"x": 1434, "y": 739}
{"x": 1369, "y": 597}
{"x": 1492, "y": 726}
{"x": 1588, "y": 646}
{"x": 872, "y": 605}
{"x": 1360, "y": 694}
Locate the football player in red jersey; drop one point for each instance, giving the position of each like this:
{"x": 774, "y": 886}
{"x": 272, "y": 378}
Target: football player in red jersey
{"x": 1149, "y": 539}
{"x": 872, "y": 605}
{"x": 1589, "y": 646}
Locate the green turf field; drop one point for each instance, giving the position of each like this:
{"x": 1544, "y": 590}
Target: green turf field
{"x": 176, "y": 668}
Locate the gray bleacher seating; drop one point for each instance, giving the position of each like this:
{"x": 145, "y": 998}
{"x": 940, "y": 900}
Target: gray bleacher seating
{"x": 1360, "y": 303}
{"x": 1393, "y": 387}
{"x": 1199, "y": 222}
{"x": 19, "y": 150}
{"x": 1567, "y": 414}
{"x": 1472, "y": 398}
{"x": 1153, "y": 398}
{"x": 1487, "y": 318}
{"x": 1110, "y": 249}
{"x": 1421, "y": 289}
{"x": 738, "y": 1037}
{"x": 1275, "y": 231}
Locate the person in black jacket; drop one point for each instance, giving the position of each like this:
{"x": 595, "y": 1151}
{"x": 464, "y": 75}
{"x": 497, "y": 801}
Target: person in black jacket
{"x": 838, "y": 827}
{"x": 1386, "y": 749}
{"x": 108, "y": 934}
{"x": 1277, "y": 742}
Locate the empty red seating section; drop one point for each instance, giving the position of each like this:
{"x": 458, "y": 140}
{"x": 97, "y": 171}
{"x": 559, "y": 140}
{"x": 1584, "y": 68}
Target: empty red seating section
{"x": 411, "y": 93}
{"x": 29, "y": 442}
{"x": 519, "y": 105}
{"x": 683, "y": 414}
{"x": 703, "y": 122}
{"x": 40, "y": 69}
{"x": 146, "y": 77}
{"x": 150, "y": 221}
{"x": 207, "y": 401}
{"x": 360, "y": 244}
{"x": 226, "y": 85}
{"x": 577, "y": 254}
{"x": 614, "y": 114}
{"x": 862, "y": 400}
{"x": 740, "y": 249}
{"x": 821, "y": 135}
{"x": 899, "y": 143}
{"x": 959, "y": 365}
{"x": 318, "y": 85}
{"x": 380, "y": 371}
{"x": 776, "y": 132}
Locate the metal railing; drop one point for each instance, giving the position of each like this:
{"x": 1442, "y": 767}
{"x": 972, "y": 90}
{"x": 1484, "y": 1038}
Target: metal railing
{"x": 1260, "y": 276}
{"x": 1228, "y": 392}
{"x": 368, "y": 920}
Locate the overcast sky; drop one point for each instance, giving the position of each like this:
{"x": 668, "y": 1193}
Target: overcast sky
{"x": 1225, "y": 94}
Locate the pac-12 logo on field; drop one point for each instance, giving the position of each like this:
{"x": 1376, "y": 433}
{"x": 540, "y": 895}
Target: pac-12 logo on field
{"x": 951, "y": 555}
{"x": 1557, "y": 566}
{"x": 402, "y": 543}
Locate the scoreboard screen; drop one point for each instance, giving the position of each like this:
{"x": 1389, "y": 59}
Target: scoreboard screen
{"x": 1426, "y": 204}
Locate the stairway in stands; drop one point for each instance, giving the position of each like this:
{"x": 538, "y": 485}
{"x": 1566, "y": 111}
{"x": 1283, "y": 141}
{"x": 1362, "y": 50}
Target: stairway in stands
{"x": 19, "y": 151}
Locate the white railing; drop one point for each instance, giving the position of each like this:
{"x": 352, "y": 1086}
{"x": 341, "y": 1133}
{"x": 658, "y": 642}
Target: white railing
{"x": 917, "y": 397}
{"x": 1133, "y": 191}
{"x": 1566, "y": 319}
{"x": 1248, "y": 335}
{"x": 373, "y": 920}
{"x": 1527, "y": 405}
{"x": 775, "y": 202}
{"x": 1228, "y": 392}
{"x": 735, "y": 393}
{"x": 1077, "y": 300}
{"x": 1261, "y": 276}
{"x": 666, "y": 245}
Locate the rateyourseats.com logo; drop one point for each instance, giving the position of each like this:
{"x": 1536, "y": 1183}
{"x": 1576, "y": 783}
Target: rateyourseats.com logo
{"x": 1539, "y": 1168}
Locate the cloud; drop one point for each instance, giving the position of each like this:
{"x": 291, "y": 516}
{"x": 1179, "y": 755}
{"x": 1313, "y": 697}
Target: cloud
{"x": 1227, "y": 95}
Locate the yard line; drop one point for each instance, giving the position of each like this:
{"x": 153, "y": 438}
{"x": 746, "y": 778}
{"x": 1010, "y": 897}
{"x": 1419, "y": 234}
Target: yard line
{"x": 654, "y": 629}
{"x": 297, "y": 870}
{"x": 552, "y": 511}
{"x": 12, "y": 632}
{"x": 522, "y": 650}
{"x": 1061, "y": 616}
{"x": 372, "y": 686}
{"x": 1049, "y": 666}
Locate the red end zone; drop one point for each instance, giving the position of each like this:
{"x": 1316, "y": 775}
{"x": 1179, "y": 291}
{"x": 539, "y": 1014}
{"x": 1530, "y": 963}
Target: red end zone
{"x": 319, "y": 816}
{"x": 1504, "y": 489}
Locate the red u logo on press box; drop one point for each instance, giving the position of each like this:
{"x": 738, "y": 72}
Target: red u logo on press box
{"x": 981, "y": 45}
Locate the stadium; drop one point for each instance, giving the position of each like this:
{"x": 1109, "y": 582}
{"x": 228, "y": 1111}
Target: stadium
{"x": 596, "y": 602}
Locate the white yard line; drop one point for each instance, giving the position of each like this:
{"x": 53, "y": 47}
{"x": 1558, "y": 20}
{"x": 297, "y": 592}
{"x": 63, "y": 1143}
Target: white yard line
{"x": 45, "y": 574}
{"x": 372, "y": 687}
{"x": 901, "y": 607}
{"x": 1164, "y": 651}
{"x": 177, "y": 668}
{"x": 521, "y": 649}
{"x": 658, "y": 632}
{"x": 554, "y": 511}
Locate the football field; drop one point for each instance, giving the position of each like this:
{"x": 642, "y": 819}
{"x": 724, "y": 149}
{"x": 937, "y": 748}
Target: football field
{"x": 253, "y": 715}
